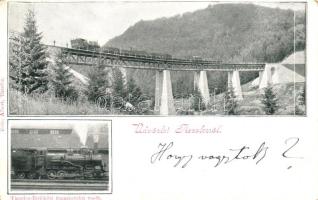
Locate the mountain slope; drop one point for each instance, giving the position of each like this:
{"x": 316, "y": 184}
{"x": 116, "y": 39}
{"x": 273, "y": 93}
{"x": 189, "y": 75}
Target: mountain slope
{"x": 227, "y": 32}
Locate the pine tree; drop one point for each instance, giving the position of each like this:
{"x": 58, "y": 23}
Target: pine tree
{"x": 197, "y": 102}
{"x": 97, "y": 84}
{"x": 269, "y": 101}
{"x": 118, "y": 84}
{"x": 28, "y": 65}
{"x": 302, "y": 97}
{"x": 60, "y": 80}
{"x": 15, "y": 61}
{"x": 119, "y": 92}
{"x": 230, "y": 102}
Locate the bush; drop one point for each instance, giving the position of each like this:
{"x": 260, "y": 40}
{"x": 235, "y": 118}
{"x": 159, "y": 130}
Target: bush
{"x": 134, "y": 94}
{"x": 197, "y": 103}
{"x": 97, "y": 84}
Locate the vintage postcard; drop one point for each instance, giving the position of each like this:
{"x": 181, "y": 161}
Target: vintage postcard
{"x": 158, "y": 100}
{"x": 212, "y": 59}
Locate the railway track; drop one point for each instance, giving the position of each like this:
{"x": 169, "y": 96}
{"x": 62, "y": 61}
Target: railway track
{"x": 61, "y": 180}
{"x": 88, "y": 185}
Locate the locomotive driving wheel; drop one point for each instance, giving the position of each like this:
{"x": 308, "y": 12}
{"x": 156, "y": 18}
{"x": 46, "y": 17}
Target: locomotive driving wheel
{"x": 51, "y": 174}
{"x": 31, "y": 175}
{"x": 61, "y": 174}
{"x": 21, "y": 175}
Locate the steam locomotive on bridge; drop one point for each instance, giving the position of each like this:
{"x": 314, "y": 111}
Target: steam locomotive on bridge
{"x": 33, "y": 163}
{"x": 83, "y": 44}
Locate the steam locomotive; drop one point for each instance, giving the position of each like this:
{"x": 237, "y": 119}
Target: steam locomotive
{"x": 35, "y": 163}
{"x": 83, "y": 44}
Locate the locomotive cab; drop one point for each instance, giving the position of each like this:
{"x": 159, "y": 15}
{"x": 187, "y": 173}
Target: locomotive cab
{"x": 26, "y": 163}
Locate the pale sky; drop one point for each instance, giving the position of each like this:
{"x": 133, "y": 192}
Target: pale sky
{"x": 101, "y": 21}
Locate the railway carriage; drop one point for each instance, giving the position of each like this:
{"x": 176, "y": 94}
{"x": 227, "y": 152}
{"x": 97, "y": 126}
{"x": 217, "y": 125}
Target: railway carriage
{"x": 110, "y": 50}
{"x": 136, "y": 53}
{"x": 83, "y": 44}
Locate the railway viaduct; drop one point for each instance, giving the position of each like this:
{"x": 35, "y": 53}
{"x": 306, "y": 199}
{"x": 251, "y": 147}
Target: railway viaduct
{"x": 164, "y": 103}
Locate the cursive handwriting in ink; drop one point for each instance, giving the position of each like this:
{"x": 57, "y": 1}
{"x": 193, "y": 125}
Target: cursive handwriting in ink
{"x": 260, "y": 151}
{"x": 296, "y": 140}
{"x": 164, "y": 153}
{"x": 158, "y": 155}
{"x": 220, "y": 159}
{"x": 240, "y": 154}
{"x": 163, "y": 148}
{"x": 245, "y": 152}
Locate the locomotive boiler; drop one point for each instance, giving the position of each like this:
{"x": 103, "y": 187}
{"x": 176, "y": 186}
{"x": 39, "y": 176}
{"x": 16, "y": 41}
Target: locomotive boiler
{"x": 57, "y": 164}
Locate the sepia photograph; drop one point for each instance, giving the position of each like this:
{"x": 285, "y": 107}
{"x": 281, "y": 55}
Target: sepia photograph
{"x": 157, "y": 58}
{"x": 59, "y": 156}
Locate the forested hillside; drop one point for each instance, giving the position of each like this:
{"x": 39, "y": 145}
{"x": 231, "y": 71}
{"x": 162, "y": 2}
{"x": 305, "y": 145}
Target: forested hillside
{"x": 227, "y": 32}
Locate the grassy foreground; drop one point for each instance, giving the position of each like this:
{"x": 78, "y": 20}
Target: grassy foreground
{"x": 20, "y": 104}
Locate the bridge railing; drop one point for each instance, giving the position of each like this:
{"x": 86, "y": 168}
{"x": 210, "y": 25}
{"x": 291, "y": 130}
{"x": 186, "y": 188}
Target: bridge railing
{"x": 144, "y": 62}
{"x": 134, "y": 57}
